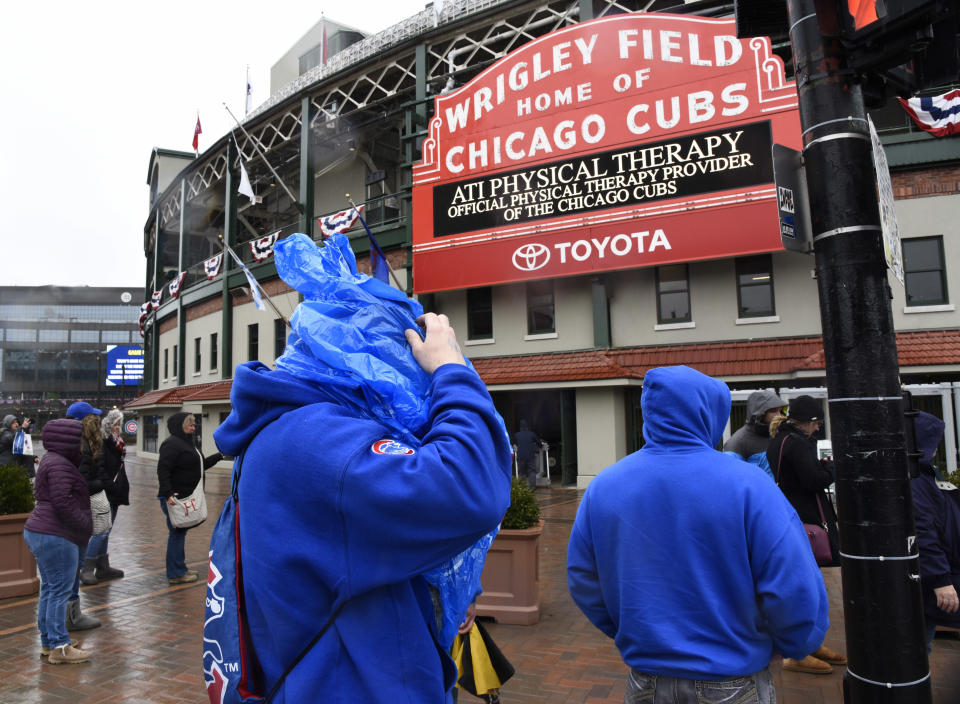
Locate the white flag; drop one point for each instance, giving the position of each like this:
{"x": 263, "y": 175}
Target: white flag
{"x": 245, "y": 188}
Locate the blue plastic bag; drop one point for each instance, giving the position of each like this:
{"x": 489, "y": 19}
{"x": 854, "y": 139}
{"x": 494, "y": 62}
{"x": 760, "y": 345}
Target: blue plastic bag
{"x": 348, "y": 337}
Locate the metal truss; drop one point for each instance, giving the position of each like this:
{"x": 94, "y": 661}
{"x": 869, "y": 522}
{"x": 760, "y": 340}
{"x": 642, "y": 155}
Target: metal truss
{"x": 478, "y": 33}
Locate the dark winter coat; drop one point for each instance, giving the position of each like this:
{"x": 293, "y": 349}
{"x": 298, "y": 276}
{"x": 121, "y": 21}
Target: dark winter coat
{"x": 6, "y": 447}
{"x": 802, "y": 478}
{"x": 92, "y": 469}
{"x": 180, "y": 465}
{"x": 63, "y": 502}
{"x": 938, "y": 525}
{"x": 118, "y": 488}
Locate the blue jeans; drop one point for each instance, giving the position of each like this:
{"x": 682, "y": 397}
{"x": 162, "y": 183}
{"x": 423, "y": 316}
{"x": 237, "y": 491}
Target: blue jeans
{"x": 97, "y": 547}
{"x": 176, "y": 538}
{"x": 653, "y": 689}
{"x": 57, "y": 559}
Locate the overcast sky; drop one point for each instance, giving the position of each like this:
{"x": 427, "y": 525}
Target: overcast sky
{"x": 88, "y": 89}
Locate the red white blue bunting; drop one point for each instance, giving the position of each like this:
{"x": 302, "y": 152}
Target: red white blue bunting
{"x": 263, "y": 247}
{"x": 339, "y": 222}
{"x": 937, "y": 114}
{"x": 211, "y": 266}
{"x": 174, "y": 286}
{"x": 156, "y": 298}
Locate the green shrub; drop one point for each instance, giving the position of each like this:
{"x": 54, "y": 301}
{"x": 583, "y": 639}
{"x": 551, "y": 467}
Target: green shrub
{"x": 16, "y": 493}
{"x": 954, "y": 478}
{"x": 524, "y": 512}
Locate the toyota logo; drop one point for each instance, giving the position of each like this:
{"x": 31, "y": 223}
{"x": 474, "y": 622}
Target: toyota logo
{"x": 531, "y": 257}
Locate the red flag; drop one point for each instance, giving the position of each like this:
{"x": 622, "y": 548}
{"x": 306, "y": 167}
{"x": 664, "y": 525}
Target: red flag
{"x": 196, "y": 135}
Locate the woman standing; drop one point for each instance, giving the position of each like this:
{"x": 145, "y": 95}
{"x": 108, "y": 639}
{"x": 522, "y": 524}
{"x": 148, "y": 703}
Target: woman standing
{"x": 180, "y": 468}
{"x": 8, "y": 431}
{"x": 114, "y": 479}
{"x": 802, "y": 478}
{"x": 57, "y": 532}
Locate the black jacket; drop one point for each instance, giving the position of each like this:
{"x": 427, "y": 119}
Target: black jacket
{"x": 91, "y": 467}
{"x": 938, "y": 525}
{"x": 179, "y": 466}
{"x": 6, "y": 447}
{"x": 118, "y": 488}
{"x": 802, "y": 478}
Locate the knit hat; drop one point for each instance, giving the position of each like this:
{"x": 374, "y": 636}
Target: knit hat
{"x": 82, "y": 409}
{"x": 8, "y": 421}
{"x": 804, "y": 409}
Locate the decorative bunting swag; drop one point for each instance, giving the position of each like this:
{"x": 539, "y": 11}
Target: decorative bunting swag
{"x": 263, "y": 247}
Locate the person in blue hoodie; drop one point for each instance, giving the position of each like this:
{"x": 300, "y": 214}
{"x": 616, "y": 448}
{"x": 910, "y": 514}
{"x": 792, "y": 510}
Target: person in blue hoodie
{"x": 691, "y": 559}
{"x": 350, "y": 495}
{"x": 938, "y": 533}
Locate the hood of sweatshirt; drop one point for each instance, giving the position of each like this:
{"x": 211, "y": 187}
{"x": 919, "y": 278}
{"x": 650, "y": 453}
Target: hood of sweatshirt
{"x": 929, "y": 434}
{"x": 62, "y": 436}
{"x": 683, "y": 409}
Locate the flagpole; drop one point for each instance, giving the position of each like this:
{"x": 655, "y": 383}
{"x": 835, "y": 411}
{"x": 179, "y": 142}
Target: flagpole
{"x": 257, "y": 283}
{"x": 262, "y": 156}
{"x": 375, "y": 244}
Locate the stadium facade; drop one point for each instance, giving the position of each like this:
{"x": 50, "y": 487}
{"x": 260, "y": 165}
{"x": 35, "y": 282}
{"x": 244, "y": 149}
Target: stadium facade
{"x": 564, "y": 294}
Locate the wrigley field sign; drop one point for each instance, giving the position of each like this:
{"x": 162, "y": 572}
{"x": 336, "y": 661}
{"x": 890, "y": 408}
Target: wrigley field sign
{"x": 633, "y": 140}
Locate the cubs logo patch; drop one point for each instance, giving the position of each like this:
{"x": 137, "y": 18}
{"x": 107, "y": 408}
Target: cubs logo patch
{"x": 391, "y": 447}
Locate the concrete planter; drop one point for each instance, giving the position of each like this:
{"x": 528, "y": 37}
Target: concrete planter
{"x": 18, "y": 570}
{"x": 511, "y": 577}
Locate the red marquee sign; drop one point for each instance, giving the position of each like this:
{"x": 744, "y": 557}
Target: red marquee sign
{"x": 628, "y": 141}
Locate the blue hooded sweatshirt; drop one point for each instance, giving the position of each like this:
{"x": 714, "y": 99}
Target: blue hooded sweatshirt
{"x": 690, "y": 559}
{"x": 339, "y": 506}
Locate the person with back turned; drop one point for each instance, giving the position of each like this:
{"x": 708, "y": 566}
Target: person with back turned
{"x": 691, "y": 559}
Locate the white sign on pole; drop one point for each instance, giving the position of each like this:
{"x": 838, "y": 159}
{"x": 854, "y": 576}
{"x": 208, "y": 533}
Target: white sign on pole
{"x": 888, "y": 216}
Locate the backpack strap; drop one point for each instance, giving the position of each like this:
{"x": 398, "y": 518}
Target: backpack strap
{"x": 234, "y": 484}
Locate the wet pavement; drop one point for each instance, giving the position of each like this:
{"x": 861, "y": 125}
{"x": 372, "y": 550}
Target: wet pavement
{"x": 149, "y": 647}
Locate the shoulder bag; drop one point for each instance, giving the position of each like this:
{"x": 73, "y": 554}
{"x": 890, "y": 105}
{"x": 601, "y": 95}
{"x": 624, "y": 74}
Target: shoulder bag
{"x": 817, "y": 534}
{"x": 100, "y": 511}
{"x": 191, "y": 511}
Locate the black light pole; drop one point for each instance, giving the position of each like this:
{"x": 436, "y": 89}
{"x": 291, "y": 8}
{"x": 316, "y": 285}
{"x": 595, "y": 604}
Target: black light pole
{"x": 883, "y": 609}
{"x": 123, "y": 384}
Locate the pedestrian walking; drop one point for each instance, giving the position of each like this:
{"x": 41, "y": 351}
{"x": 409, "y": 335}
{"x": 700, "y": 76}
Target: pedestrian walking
{"x": 700, "y": 571}
{"x": 180, "y": 468}
{"x": 803, "y": 478}
{"x": 528, "y": 446}
{"x": 57, "y": 532}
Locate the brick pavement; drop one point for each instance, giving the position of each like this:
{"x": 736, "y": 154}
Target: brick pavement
{"x": 148, "y": 649}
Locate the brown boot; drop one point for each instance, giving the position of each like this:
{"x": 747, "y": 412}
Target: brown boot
{"x": 831, "y": 656}
{"x": 67, "y": 654}
{"x": 45, "y": 652}
{"x": 809, "y": 664}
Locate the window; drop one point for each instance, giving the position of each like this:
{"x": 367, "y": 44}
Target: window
{"x": 196, "y": 355}
{"x": 20, "y": 365}
{"x": 84, "y": 336}
{"x": 673, "y": 294}
{"x": 924, "y": 271}
{"x": 253, "y": 342}
{"x": 52, "y": 366}
{"x": 279, "y": 337}
{"x": 21, "y": 335}
{"x": 755, "y": 286}
{"x": 213, "y": 351}
{"x": 540, "y": 317}
{"x": 116, "y": 336}
{"x": 150, "y": 426}
{"x": 176, "y": 358}
{"x": 166, "y": 362}
{"x": 479, "y": 314}
{"x": 53, "y": 335}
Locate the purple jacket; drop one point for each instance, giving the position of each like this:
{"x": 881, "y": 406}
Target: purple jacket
{"x": 63, "y": 502}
